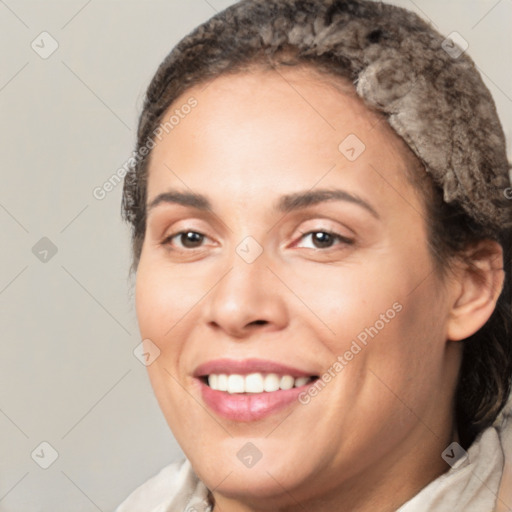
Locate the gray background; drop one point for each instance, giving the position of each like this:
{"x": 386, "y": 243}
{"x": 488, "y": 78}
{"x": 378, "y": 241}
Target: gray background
{"x": 68, "y": 375}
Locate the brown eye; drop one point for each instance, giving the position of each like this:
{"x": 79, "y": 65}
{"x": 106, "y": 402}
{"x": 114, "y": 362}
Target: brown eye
{"x": 185, "y": 239}
{"x": 191, "y": 239}
{"x": 322, "y": 240}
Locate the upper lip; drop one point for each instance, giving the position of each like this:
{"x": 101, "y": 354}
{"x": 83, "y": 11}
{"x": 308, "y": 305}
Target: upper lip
{"x": 246, "y": 366}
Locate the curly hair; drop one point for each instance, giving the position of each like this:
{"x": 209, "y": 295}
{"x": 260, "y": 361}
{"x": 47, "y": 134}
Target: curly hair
{"x": 432, "y": 97}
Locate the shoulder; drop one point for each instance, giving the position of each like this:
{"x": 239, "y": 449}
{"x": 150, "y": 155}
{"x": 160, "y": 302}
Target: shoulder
{"x": 174, "y": 487}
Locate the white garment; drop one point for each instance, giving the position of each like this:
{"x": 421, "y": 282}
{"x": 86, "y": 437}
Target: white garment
{"x": 472, "y": 485}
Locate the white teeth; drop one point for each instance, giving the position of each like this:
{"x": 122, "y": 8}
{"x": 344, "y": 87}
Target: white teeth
{"x": 271, "y": 382}
{"x": 301, "y": 381}
{"x": 213, "y": 381}
{"x": 254, "y": 382}
{"x": 287, "y": 382}
{"x": 222, "y": 382}
{"x": 236, "y": 384}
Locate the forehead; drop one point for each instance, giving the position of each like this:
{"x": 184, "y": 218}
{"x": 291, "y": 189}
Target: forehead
{"x": 286, "y": 126}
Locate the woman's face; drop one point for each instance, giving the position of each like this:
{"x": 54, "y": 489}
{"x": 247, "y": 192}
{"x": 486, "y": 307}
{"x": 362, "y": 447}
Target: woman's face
{"x": 285, "y": 243}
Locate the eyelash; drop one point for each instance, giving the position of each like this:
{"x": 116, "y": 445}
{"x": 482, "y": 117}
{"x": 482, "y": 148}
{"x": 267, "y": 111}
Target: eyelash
{"x": 340, "y": 238}
{"x": 167, "y": 240}
{"x": 333, "y": 234}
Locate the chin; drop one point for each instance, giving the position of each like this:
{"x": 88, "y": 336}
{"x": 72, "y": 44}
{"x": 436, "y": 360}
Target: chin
{"x": 267, "y": 478}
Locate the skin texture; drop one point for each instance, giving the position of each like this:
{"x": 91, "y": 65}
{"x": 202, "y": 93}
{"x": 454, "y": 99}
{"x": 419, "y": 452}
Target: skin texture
{"x": 373, "y": 437}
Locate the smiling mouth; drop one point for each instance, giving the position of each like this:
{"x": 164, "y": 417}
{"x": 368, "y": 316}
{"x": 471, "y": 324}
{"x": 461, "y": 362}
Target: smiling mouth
{"x": 251, "y": 389}
{"x": 254, "y": 382}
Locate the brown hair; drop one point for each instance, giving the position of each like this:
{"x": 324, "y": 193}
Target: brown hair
{"x": 436, "y": 103}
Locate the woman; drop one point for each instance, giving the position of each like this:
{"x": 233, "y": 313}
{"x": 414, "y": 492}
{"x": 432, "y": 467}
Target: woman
{"x": 320, "y": 225}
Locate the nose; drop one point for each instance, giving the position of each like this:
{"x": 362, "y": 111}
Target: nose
{"x": 246, "y": 299}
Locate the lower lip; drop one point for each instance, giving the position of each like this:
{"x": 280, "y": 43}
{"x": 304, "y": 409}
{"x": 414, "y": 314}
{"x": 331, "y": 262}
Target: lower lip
{"x": 249, "y": 406}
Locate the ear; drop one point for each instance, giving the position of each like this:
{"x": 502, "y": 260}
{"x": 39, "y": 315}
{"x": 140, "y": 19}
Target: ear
{"x": 477, "y": 285}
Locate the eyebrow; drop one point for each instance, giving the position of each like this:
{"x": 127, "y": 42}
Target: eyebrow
{"x": 192, "y": 199}
{"x": 286, "y": 203}
{"x": 307, "y": 198}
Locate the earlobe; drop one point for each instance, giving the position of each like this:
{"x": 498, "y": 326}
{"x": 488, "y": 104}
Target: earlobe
{"x": 478, "y": 286}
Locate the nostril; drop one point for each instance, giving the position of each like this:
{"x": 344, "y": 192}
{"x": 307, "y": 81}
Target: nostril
{"x": 258, "y": 322}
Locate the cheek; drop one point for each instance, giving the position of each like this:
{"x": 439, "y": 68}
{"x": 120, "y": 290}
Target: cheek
{"x": 350, "y": 299}
{"x": 385, "y": 316}
{"x": 162, "y": 301}
{"x": 163, "y": 297}
{"x": 401, "y": 362}
{"x": 161, "y": 304}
